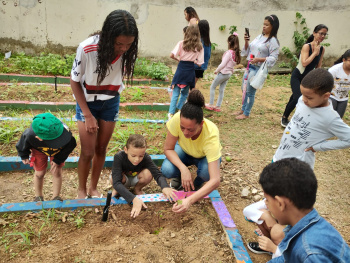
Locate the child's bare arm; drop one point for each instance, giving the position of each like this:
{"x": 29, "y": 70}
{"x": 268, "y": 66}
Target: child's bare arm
{"x": 137, "y": 205}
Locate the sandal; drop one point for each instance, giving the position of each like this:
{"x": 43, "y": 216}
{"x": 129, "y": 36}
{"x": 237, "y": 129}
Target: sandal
{"x": 58, "y": 198}
{"x": 236, "y": 113}
{"x": 217, "y": 109}
{"x": 242, "y": 117}
{"x": 38, "y": 199}
{"x": 208, "y": 107}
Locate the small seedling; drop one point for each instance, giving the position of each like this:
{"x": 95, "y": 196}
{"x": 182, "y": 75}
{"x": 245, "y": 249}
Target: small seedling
{"x": 179, "y": 202}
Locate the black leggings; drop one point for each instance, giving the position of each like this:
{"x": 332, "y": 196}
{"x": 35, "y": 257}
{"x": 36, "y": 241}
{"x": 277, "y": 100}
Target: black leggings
{"x": 295, "y": 81}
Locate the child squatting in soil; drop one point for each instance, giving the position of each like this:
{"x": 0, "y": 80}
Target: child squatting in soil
{"x": 133, "y": 167}
{"x": 290, "y": 188}
{"x": 47, "y": 136}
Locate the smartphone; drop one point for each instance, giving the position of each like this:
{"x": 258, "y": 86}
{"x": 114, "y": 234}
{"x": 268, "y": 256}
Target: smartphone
{"x": 247, "y": 31}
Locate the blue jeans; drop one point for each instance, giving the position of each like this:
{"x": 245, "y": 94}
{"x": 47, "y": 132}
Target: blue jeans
{"x": 250, "y": 95}
{"x": 175, "y": 96}
{"x": 107, "y": 110}
{"x": 171, "y": 171}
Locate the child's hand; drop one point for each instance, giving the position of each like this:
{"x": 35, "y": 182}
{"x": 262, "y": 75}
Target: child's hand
{"x": 215, "y": 72}
{"x": 91, "y": 125}
{"x": 26, "y": 161}
{"x": 170, "y": 194}
{"x": 181, "y": 206}
{"x": 136, "y": 207}
{"x": 266, "y": 244}
{"x": 310, "y": 149}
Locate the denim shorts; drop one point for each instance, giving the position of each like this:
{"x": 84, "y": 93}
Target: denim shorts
{"x": 107, "y": 110}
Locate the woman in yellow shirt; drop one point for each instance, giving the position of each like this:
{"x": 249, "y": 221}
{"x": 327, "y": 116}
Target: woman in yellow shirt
{"x": 192, "y": 140}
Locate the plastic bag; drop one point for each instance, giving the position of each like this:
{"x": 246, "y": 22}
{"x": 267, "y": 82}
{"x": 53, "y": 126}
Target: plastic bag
{"x": 257, "y": 81}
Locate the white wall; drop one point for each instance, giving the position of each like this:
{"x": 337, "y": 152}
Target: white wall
{"x": 59, "y": 25}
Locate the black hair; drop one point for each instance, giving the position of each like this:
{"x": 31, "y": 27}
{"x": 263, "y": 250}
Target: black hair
{"x": 117, "y": 23}
{"x": 204, "y": 29}
{"x": 275, "y": 23}
{"x": 316, "y": 29}
{"x": 233, "y": 42}
{"x": 291, "y": 178}
{"x": 344, "y": 56}
{"x": 193, "y": 108}
{"x": 137, "y": 141}
{"x": 191, "y": 12}
{"x": 319, "y": 80}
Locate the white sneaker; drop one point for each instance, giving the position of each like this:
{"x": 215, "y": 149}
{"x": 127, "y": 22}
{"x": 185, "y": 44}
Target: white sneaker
{"x": 170, "y": 116}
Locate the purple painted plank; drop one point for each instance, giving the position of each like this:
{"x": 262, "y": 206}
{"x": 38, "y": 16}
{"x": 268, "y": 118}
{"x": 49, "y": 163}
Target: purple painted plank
{"x": 223, "y": 214}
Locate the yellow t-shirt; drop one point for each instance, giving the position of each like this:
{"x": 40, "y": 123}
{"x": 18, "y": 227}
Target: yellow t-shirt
{"x": 206, "y": 145}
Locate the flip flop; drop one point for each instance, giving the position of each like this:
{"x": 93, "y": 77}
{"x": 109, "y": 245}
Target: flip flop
{"x": 217, "y": 109}
{"x": 248, "y": 220}
{"x": 95, "y": 196}
{"x": 208, "y": 107}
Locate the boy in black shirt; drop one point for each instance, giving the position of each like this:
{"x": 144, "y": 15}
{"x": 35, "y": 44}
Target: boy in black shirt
{"x": 133, "y": 167}
{"x": 47, "y": 136}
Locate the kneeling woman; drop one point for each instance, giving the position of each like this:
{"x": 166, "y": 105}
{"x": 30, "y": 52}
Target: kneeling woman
{"x": 192, "y": 140}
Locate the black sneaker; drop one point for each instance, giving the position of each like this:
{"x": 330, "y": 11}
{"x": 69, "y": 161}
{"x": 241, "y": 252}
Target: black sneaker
{"x": 176, "y": 184}
{"x": 58, "y": 198}
{"x": 284, "y": 122}
{"x": 254, "y": 247}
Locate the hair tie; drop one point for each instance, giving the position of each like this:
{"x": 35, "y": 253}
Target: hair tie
{"x": 272, "y": 18}
{"x": 235, "y": 34}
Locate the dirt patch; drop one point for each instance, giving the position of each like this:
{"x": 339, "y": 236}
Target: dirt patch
{"x": 250, "y": 143}
{"x": 39, "y": 93}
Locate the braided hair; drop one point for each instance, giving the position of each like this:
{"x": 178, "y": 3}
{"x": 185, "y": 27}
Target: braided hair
{"x": 193, "y": 108}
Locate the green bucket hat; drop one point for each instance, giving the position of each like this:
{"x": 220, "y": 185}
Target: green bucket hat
{"x": 50, "y": 129}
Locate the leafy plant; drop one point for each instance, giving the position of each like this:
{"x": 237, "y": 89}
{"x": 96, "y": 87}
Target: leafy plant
{"x": 300, "y": 35}
{"x": 233, "y": 29}
{"x": 222, "y": 27}
{"x": 26, "y": 236}
{"x": 213, "y": 46}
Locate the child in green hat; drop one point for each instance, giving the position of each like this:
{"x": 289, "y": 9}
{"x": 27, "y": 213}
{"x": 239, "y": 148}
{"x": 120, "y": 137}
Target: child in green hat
{"x": 47, "y": 136}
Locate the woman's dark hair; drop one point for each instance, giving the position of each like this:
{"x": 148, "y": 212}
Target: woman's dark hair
{"x": 316, "y": 29}
{"x": 204, "y": 29}
{"x": 344, "y": 56}
{"x": 191, "y": 12}
{"x": 233, "y": 42}
{"x": 193, "y": 108}
{"x": 117, "y": 23}
{"x": 275, "y": 23}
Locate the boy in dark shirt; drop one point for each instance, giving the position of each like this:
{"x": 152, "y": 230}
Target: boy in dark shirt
{"x": 47, "y": 136}
{"x": 133, "y": 167}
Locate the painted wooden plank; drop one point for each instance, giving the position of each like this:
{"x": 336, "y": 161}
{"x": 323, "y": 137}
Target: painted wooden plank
{"x": 14, "y": 163}
{"x": 30, "y": 206}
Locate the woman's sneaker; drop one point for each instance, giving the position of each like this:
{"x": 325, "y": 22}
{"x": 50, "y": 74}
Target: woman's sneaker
{"x": 254, "y": 247}
{"x": 284, "y": 122}
{"x": 176, "y": 184}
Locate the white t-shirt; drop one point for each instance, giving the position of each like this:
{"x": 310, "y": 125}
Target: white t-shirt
{"x": 312, "y": 127}
{"x": 84, "y": 71}
{"x": 341, "y": 88}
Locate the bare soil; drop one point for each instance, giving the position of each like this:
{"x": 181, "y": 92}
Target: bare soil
{"x": 192, "y": 237}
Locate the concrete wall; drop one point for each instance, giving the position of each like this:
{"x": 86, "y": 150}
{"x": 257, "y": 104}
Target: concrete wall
{"x": 34, "y": 26}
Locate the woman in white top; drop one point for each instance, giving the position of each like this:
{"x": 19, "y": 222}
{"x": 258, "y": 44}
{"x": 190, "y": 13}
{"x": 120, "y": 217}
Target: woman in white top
{"x": 264, "y": 47}
{"x": 341, "y": 74}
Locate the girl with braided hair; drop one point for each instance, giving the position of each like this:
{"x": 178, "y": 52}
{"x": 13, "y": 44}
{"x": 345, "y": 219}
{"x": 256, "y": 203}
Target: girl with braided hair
{"x": 192, "y": 140}
{"x": 101, "y": 62}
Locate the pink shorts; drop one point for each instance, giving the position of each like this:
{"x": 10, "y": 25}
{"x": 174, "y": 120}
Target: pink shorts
{"x": 40, "y": 160}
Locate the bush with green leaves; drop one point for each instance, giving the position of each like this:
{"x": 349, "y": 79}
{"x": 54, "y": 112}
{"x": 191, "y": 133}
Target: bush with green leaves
{"x": 300, "y": 35}
{"x": 57, "y": 65}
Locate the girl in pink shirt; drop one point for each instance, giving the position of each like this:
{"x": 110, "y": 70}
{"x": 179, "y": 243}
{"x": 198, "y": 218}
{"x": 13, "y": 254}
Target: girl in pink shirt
{"x": 188, "y": 52}
{"x": 224, "y": 71}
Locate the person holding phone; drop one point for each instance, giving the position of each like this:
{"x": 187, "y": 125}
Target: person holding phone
{"x": 264, "y": 47}
{"x": 311, "y": 56}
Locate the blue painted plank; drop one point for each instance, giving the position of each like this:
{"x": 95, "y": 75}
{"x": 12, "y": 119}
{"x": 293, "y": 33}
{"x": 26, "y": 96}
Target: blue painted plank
{"x": 238, "y": 247}
{"x": 14, "y": 163}
{"x": 214, "y": 194}
{"x": 30, "y": 206}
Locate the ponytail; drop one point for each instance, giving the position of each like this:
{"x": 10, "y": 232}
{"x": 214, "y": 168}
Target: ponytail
{"x": 344, "y": 56}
